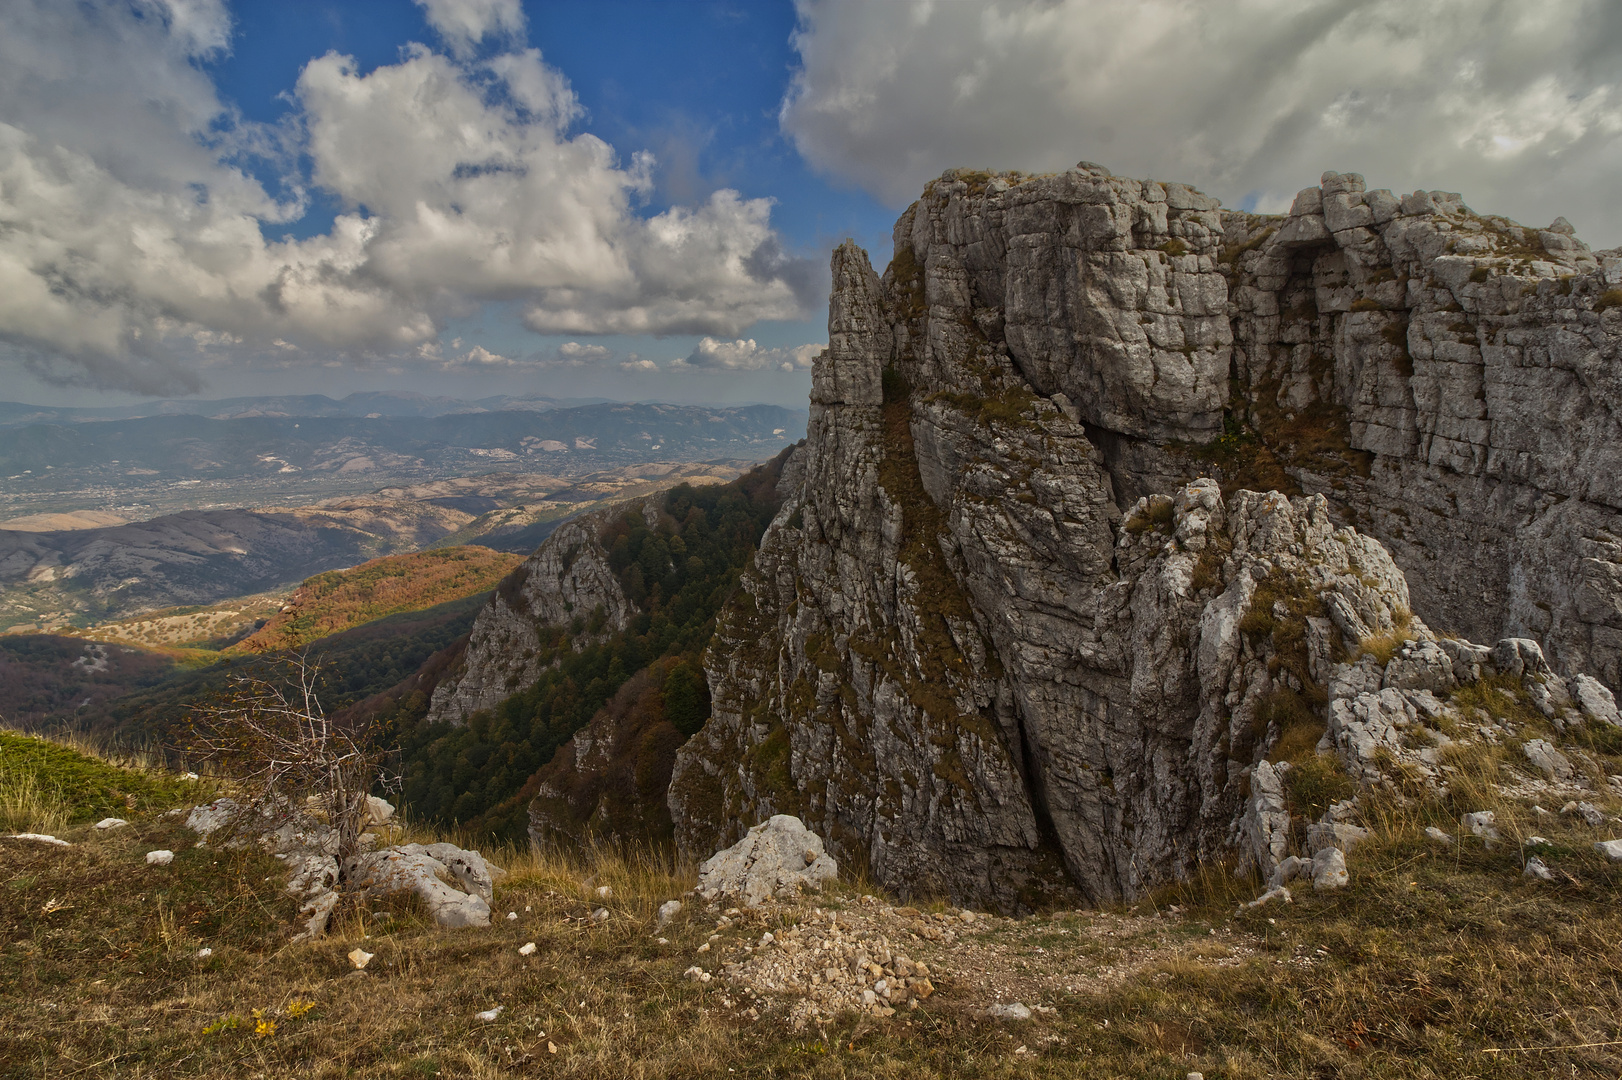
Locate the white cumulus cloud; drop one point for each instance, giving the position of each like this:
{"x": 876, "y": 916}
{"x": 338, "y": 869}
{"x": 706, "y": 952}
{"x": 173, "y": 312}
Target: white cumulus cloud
{"x": 479, "y": 356}
{"x": 135, "y": 229}
{"x": 1516, "y": 105}
{"x": 746, "y": 355}
{"x": 572, "y": 352}
{"x": 462, "y": 24}
{"x": 569, "y": 354}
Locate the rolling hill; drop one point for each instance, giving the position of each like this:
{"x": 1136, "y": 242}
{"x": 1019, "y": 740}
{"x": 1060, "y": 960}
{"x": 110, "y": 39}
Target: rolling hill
{"x": 338, "y": 600}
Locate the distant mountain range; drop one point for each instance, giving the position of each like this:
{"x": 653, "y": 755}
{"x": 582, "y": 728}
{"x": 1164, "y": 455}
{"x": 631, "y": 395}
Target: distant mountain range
{"x": 374, "y": 404}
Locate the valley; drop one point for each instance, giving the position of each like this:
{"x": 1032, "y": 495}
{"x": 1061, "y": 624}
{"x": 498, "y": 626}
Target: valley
{"x": 145, "y": 466}
{"x": 99, "y": 573}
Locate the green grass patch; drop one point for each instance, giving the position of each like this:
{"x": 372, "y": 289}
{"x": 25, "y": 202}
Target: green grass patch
{"x": 41, "y": 780}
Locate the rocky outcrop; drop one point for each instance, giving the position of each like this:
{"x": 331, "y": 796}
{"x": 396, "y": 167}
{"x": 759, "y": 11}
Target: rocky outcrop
{"x": 426, "y": 872}
{"x": 1467, "y": 366}
{"x": 1444, "y": 377}
{"x": 566, "y": 580}
{"x": 1018, "y": 623}
{"x": 455, "y": 886}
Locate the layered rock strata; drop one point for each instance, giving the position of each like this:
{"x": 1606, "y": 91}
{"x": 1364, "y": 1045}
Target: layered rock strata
{"x": 1469, "y": 368}
{"x": 995, "y": 627}
{"x": 1445, "y": 377}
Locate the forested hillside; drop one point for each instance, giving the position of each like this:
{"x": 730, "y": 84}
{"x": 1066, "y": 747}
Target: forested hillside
{"x": 333, "y": 602}
{"x": 679, "y": 572}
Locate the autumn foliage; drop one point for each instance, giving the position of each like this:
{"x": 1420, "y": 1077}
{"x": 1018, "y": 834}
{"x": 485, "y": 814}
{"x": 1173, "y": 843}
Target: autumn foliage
{"x": 339, "y": 599}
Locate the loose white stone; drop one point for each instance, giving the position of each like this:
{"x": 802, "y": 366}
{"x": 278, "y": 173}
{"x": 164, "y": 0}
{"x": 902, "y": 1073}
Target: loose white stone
{"x": 490, "y": 1014}
{"x": 1549, "y": 761}
{"x": 111, "y": 823}
{"x": 1482, "y": 823}
{"x": 1278, "y": 892}
{"x": 1329, "y": 869}
{"x": 381, "y": 810}
{"x": 1535, "y": 868}
{"x": 162, "y": 857}
{"x": 1011, "y": 1011}
{"x": 360, "y": 957}
{"x": 527, "y": 949}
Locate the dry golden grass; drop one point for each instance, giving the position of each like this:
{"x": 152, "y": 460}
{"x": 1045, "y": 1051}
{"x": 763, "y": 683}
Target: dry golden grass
{"x": 29, "y": 803}
{"x": 1384, "y": 644}
{"x": 1437, "y": 961}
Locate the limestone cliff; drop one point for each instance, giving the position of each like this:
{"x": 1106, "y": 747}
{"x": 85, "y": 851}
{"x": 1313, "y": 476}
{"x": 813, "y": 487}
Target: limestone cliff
{"x": 568, "y": 577}
{"x": 999, "y": 626}
{"x": 1469, "y": 368}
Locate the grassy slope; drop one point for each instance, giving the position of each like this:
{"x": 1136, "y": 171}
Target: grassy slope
{"x": 210, "y": 626}
{"x": 1437, "y": 961}
{"x": 46, "y": 784}
{"x": 333, "y": 602}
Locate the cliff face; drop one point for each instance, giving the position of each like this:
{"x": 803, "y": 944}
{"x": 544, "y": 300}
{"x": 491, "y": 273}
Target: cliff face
{"x": 1471, "y": 367}
{"x": 567, "y": 577}
{"x": 995, "y": 627}
{"x": 1445, "y": 378}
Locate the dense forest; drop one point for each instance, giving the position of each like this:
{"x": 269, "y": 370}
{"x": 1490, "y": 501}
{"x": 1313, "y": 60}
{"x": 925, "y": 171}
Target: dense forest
{"x": 679, "y": 573}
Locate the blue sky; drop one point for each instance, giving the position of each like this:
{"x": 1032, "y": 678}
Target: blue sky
{"x": 637, "y": 199}
{"x": 699, "y": 84}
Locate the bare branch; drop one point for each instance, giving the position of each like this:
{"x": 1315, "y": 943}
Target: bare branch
{"x": 271, "y": 736}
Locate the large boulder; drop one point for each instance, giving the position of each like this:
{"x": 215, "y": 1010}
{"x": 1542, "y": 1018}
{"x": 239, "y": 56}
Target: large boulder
{"x": 412, "y": 869}
{"x": 777, "y": 858}
{"x": 469, "y": 868}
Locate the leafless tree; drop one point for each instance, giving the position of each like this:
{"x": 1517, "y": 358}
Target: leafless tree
{"x": 270, "y": 737}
